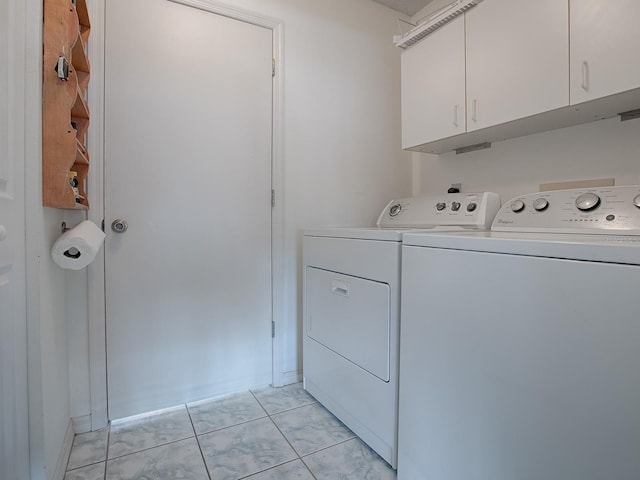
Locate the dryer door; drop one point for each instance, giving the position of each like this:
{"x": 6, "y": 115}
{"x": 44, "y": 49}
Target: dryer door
{"x": 350, "y": 315}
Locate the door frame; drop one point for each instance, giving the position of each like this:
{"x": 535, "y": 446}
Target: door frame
{"x": 96, "y": 189}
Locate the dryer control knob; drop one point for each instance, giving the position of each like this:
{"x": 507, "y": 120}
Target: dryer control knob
{"x": 472, "y": 206}
{"x": 540, "y": 205}
{"x": 441, "y": 206}
{"x": 455, "y": 206}
{"x": 517, "y": 206}
{"x": 587, "y": 201}
{"x": 395, "y": 209}
{"x": 636, "y": 201}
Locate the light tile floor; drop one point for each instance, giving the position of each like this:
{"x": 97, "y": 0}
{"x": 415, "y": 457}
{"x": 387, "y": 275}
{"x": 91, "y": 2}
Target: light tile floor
{"x": 266, "y": 434}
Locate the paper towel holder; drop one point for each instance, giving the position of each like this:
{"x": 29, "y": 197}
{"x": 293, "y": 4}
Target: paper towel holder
{"x": 64, "y": 227}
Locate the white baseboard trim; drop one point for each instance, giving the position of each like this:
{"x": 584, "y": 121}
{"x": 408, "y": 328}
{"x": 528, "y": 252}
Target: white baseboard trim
{"x": 142, "y": 416}
{"x": 291, "y": 377}
{"x": 63, "y": 458}
{"x": 82, "y": 424}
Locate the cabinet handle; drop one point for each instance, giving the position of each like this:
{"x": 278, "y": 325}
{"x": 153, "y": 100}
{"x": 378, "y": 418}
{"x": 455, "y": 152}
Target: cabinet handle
{"x": 585, "y": 76}
{"x": 455, "y": 116}
{"x": 474, "y": 110}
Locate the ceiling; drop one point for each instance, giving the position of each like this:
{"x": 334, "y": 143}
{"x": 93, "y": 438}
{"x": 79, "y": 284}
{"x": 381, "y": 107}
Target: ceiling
{"x": 409, "y": 7}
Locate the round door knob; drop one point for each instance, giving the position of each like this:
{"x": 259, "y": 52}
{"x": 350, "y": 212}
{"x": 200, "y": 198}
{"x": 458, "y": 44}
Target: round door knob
{"x": 540, "y": 205}
{"x": 517, "y": 206}
{"x": 587, "y": 201}
{"x": 119, "y": 226}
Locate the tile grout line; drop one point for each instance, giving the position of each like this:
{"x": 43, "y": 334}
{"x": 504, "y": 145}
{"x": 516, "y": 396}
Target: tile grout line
{"x": 284, "y": 436}
{"x": 106, "y": 453}
{"x": 206, "y": 467}
{"x": 270, "y": 416}
{"x": 151, "y": 448}
{"x": 92, "y": 463}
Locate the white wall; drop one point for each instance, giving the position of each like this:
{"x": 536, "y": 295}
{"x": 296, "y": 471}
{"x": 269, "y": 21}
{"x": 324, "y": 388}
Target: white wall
{"x": 342, "y": 154}
{"x": 431, "y": 8}
{"x": 49, "y": 400}
{"x": 343, "y": 160}
{"x": 603, "y": 149}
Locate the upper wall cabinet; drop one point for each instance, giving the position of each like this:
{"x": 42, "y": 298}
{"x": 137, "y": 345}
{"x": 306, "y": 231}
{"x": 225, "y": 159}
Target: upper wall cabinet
{"x": 432, "y": 66}
{"x": 529, "y": 67}
{"x": 517, "y": 60}
{"x": 604, "y": 48}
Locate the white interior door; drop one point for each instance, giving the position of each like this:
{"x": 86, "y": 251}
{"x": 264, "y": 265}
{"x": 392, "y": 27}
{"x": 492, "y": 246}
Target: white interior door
{"x": 14, "y": 426}
{"x": 188, "y": 167}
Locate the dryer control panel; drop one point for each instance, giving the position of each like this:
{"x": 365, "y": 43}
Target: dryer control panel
{"x": 474, "y": 211}
{"x": 604, "y": 210}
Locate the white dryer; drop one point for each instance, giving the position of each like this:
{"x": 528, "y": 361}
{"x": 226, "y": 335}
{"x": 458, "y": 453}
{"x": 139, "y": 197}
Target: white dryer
{"x": 520, "y": 348}
{"x": 351, "y": 304}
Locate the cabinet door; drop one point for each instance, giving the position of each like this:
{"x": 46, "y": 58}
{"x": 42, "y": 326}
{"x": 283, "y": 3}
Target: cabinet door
{"x": 517, "y": 57}
{"x": 604, "y": 48}
{"x": 433, "y": 95}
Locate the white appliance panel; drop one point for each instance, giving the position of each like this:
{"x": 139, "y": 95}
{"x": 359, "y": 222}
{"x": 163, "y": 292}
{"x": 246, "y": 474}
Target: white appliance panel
{"x": 603, "y": 211}
{"x": 350, "y": 316}
{"x": 351, "y": 311}
{"x": 371, "y": 259}
{"x": 453, "y": 211}
{"x": 524, "y": 367}
{"x": 600, "y": 248}
{"x": 367, "y": 405}
{"x": 361, "y": 400}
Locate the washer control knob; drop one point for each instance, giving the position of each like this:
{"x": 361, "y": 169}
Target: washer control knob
{"x": 395, "y": 209}
{"x": 455, "y": 206}
{"x": 540, "y": 205}
{"x": 472, "y": 206}
{"x": 517, "y": 206}
{"x": 636, "y": 201}
{"x": 441, "y": 206}
{"x": 587, "y": 201}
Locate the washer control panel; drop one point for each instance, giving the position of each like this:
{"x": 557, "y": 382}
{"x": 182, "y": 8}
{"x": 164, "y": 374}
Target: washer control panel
{"x": 465, "y": 210}
{"x": 604, "y": 210}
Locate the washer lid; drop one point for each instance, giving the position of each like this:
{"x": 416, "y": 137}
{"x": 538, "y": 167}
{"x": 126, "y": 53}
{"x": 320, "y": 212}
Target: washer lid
{"x": 598, "y": 248}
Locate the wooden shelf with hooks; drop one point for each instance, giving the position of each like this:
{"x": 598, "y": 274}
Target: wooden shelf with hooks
{"x": 65, "y": 115}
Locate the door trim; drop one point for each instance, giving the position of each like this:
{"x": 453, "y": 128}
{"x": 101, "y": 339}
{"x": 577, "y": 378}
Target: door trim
{"x": 95, "y": 187}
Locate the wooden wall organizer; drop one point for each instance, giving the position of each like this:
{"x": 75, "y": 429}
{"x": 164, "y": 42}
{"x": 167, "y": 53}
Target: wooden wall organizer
{"x": 65, "y": 115}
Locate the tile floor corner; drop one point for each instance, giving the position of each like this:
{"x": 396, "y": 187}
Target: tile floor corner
{"x": 265, "y": 434}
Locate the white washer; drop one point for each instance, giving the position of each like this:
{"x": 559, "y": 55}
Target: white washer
{"x": 520, "y": 352}
{"x": 351, "y": 310}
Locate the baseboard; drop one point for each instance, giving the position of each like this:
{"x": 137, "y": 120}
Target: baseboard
{"x": 290, "y": 377}
{"x": 65, "y": 451}
{"x": 141, "y": 416}
{"x": 82, "y": 424}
